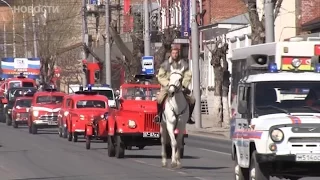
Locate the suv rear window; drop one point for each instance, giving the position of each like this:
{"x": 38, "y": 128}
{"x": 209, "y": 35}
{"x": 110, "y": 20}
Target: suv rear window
{"x": 107, "y": 93}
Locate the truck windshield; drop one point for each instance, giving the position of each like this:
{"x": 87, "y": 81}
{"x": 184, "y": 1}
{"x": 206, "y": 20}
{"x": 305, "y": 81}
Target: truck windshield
{"x": 49, "y": 99}
{"x": 287, "y": 97}
{"x": 14, "y": 93}
{"x": 24, "y": 103}
{"x": 91, "y": 104}
{"x": 107, "y": 93}
{"x": 138, "y": 93}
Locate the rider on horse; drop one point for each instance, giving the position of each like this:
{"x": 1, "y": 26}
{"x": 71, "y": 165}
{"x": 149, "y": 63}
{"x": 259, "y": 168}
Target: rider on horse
{"x": 163, "y": 78}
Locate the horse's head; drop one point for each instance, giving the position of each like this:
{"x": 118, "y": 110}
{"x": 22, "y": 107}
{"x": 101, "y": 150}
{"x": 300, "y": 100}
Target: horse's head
{"x": 175, "y": 81}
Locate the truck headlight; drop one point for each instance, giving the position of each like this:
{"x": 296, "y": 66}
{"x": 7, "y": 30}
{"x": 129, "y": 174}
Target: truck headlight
{"x": 132, "y": 124}
{"x": 35, "y": 113}
{"x": 277, "y": 135}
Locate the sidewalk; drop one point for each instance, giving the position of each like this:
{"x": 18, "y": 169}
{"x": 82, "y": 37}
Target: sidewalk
{"x": 208, "y": 130}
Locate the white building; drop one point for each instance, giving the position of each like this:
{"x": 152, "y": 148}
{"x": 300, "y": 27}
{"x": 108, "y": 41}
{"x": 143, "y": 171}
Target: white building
{"x": 238, "y": 34}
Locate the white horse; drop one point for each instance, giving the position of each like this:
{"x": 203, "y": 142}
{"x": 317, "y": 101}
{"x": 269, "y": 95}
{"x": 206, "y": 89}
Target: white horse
{"x": 175, "y": 116}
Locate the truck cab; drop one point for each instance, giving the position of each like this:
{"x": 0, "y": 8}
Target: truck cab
{"x": 277, "y": 126}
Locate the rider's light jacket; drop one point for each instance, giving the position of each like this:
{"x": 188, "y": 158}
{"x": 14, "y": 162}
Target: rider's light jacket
{"x": 164, "y": 73}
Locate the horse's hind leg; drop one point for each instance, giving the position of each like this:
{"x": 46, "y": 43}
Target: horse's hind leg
{"x": 163, "y": 132}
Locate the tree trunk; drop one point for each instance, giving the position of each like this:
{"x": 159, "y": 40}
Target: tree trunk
{"x": 217, "y": 101}
{"x": 225, "y": 99}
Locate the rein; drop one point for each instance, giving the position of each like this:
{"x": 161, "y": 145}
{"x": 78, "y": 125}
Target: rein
{"x": 171, "y": 106}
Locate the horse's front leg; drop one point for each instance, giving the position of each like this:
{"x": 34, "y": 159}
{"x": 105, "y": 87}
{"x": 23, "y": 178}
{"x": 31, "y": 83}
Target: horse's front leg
{"x": 170, "y": 129}
{"x": 163, "y": 132}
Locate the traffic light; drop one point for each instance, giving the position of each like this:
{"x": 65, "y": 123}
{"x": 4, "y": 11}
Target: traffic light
{"x": 84, "y": 68}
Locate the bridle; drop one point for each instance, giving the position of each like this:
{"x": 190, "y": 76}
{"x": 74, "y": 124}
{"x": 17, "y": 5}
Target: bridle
{"x": 176, "y": 89}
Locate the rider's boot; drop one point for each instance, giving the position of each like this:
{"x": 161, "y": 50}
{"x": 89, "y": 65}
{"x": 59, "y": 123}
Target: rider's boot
{"x": 157, "y": 118}
{"x": 191, "y": 107}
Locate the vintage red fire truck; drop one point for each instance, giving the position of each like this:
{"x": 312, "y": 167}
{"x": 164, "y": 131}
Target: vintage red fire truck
{"x": 20, "y": 81}
{"x": 134, "y": 120}
{"x": 44, "y": 110}
{"x": 20, "y": 110}
{"x": 83, "y": 111}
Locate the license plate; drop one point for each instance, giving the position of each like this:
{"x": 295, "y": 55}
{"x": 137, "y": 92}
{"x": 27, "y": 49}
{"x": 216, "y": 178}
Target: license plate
{"x": 52, "y": 123}
{"x": 308, "y": 157}
{"x": 151, "y": 135}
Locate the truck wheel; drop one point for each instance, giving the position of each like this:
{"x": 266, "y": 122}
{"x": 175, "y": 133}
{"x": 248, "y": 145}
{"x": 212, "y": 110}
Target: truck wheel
{"x": 69, "y": 136}
{"x": 14, "y": 124}
{"x": 111, "y": 149}
{"x": 88, "y": 142}
{"x": 258, "y": 170}
{"x": 34, "y": 129}
{"x": 64, "y": 132}
{"x": 8, "y": 120}
{"x": 239, "y": 172}
{"x": 74, "y": 137}
{"x": 120, "y": 147}
{"x": 141, "y": 147}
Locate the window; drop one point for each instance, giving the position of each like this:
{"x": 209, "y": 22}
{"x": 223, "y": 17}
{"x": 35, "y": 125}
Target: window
{"x": 91, "y": 104}
{"x": 97, "y": 76}
{"x": 14, "y": 93}
{"x": 14, "y": 84}
{"x": 68, "y": 103}
{"x": 27, "y": 84}
{"x": 24, "y": 103}
{"x": 107, "y": 93}
{"x": 241, "y": 93}
{"x": 287, "y": 97}
{"x": 49, "y": 99}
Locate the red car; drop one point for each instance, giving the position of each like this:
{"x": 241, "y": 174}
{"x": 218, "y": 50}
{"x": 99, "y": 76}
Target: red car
{"x": 82, "y": 112}
{"x": 44, "y": 110}
{"x": 134, "y": 120}
{"x": 20, "y": 111}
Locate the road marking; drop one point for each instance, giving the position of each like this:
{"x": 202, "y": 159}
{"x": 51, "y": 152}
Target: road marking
{"x": 200, "y": 178}
{"x": 218, "y": 152}
{"x": 172, "y": 170}
{"x": 183, "y": 173}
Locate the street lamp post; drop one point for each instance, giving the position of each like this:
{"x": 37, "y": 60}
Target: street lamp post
{"x": 13, "y": 27}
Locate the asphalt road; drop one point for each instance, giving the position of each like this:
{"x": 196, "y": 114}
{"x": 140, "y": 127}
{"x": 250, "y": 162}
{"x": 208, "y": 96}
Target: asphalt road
{"x": 46, "y": 156}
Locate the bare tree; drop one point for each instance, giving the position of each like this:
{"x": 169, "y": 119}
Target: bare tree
{"x": 132, "y": 61}
{"x": 218, "y": 49}
{"x": 56, "y": 30}
{"x": 258, "y": 25}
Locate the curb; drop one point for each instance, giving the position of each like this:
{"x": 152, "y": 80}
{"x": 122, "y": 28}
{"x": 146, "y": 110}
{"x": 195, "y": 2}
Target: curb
{"x": 213, "y": 135}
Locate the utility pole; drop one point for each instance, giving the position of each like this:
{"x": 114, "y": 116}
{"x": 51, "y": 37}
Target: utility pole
{"x": 195, "y": 64}
{"x": 147, "y": 42}
{"x": 269, "y": 21}
{"x": 24, "y": 37}
{"x": 107, "y": 44}
{"x": 35, "y": 47}
{"x": 5, "y": 39}
{"x": 85, "y": 38}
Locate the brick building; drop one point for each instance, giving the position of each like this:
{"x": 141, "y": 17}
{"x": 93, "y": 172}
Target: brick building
{"x": 309, "y": 15}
